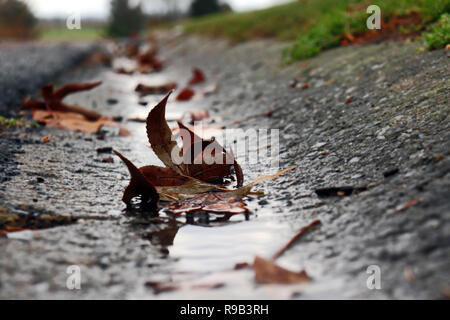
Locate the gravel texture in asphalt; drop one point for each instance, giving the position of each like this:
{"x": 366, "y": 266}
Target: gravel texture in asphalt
{"x": 373, "y": 118}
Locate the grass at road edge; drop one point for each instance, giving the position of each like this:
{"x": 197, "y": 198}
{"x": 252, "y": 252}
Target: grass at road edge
{"x": 314, "y": 25}
{"x": 64, "y": 34}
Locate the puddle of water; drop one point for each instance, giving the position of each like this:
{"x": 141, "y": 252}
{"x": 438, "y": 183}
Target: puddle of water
{"x": 203, "y": 254}
{"x": 217, "y": 248}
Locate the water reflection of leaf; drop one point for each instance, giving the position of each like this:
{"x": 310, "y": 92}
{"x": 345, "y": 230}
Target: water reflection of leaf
{"x": 165, "y": 235}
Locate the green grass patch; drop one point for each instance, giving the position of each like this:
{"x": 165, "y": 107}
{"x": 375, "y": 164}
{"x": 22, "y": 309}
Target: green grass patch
{"x": 313, "y": 25}
{"x": 439, "y": 36}
{"x": 64, "y": 34}
{"x": 16, "y": 122}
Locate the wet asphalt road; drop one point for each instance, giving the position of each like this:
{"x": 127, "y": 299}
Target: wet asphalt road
{"x": 367, "y": 110}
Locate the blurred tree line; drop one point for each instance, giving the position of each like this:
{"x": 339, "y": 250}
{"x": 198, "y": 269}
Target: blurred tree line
{"x": 16, "y": 20}
{"x": 127, "y": 20}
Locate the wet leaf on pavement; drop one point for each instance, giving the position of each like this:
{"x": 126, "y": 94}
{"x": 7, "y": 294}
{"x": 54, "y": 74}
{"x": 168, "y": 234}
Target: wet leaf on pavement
{"x": 197, "y": 77}
{"x": 138, "y": 186}
{"x": 148, "y": 62}
{"x": 268, "y": 272}
{"x": 144, "y": 90}
{"x": 56, "y": 114}
{"x": 185, "y": 94}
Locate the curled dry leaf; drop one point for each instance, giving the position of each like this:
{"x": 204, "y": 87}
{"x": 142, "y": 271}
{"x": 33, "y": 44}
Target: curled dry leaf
{"x": 267, "y": 271}
{"x": 179, "y": 182}
{"x": 197, "y": 77}
{"x": 53, "y": 100}
{"x": 200, "y": 156}
{"x": 138, "y": 186}
{"x": 56, "y": 114}
{"x": 160, "y": 136}
{"x": 144, "y": 90}
{"x": 185, "y": 95}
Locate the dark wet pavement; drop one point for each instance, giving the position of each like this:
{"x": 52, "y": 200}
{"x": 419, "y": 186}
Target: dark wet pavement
{"x": 397, "y": 118}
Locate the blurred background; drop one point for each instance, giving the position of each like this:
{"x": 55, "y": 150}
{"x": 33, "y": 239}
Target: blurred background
{"x": 46, "y": 19}
{"x": 310, "y": 25}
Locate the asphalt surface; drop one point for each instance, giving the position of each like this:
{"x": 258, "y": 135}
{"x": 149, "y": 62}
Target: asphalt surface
{"x": 367, "y": 111}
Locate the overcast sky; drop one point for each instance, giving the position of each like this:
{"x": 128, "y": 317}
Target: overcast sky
{"x": 100, "y": 8}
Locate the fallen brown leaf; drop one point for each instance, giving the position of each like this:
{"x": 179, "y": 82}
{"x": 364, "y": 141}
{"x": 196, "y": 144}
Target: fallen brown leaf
{"x": 408, "y": 205}
{"x": 293, "y": 83}
{"x": 210, "y": 202}
{"x": 144, "y": 90}
{"x": 56, "y": 114}
{"x": 138, "y": 186}
{"x": 198, "y": 163}
{"x": 185, "y": 95}
{"x": 197, "y": 77}
{"x": 149, "y": 62}
{"x": 53, "y": 100}
{"x": 183, "y": 180}
{"x": 160, "y": 136}
{"x": 268, "y": 272}
{"x": 74, "y": 121}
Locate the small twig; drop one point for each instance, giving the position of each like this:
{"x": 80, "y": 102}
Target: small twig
{"x": 302, "y": 231}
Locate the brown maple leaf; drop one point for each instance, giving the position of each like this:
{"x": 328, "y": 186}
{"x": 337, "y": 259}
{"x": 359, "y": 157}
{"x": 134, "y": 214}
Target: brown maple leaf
{"x": 165, "y": 146}
{"x": 203, "y": 170}
{"x": 183, "y": 180}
